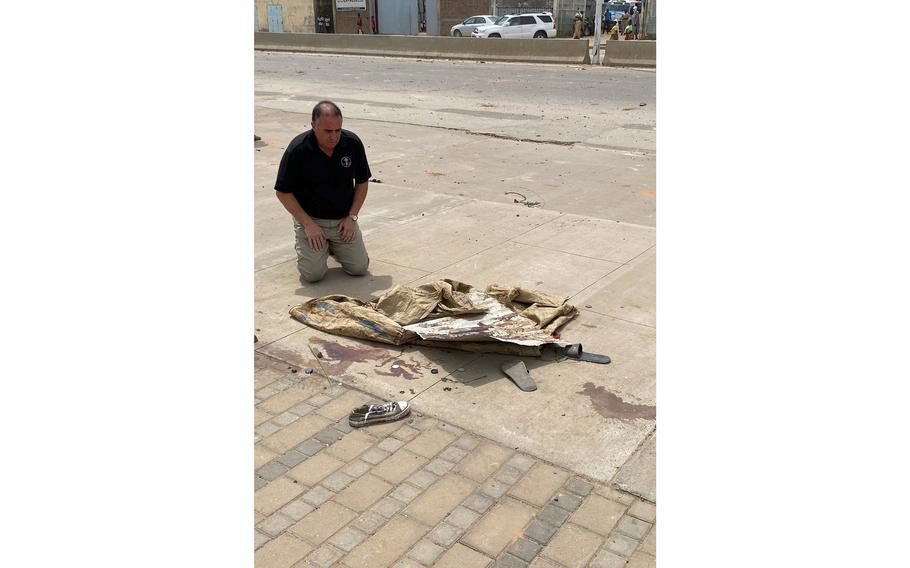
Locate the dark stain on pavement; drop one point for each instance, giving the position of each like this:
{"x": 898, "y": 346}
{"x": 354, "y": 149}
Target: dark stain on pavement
{"x": 343, "y": 356}
{"x": 609, "y": 405}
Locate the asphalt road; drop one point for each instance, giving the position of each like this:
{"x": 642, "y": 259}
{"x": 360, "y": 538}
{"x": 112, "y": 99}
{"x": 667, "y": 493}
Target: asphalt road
{"x": 576, "y": 139}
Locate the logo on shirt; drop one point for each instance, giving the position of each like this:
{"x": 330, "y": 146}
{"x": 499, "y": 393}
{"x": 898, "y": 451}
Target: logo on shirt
{"x": 346, "y": 162}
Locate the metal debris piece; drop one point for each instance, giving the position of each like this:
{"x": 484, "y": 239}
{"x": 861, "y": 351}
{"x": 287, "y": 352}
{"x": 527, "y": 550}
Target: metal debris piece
{"x": 308, "y": 370}
{"x": 434, "y": 371}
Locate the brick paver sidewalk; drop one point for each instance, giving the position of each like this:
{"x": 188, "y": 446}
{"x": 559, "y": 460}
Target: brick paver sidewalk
{"x": 419, "y": 492}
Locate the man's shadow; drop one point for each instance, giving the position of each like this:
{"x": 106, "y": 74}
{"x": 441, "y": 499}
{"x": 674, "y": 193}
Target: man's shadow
{"x": 337, "y": 281}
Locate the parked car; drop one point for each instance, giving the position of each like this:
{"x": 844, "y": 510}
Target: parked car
{"x": 539, "y": 25}
{"x": 466, "y": 27}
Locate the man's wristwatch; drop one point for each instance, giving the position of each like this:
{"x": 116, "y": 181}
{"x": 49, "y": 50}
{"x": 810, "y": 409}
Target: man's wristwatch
{"x": 353, "y": 217}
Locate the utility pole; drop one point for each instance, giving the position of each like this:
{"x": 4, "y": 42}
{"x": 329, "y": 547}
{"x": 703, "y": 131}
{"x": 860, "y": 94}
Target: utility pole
{"x": 598, "y": 16}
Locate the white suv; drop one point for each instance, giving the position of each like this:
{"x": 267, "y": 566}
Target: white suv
{"x": 540, "y": 25}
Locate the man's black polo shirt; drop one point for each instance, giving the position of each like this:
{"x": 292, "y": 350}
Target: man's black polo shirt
{"x": 323, "y": 186}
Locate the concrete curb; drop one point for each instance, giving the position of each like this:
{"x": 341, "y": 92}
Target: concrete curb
{"x": 629, "y": 53}
{"x": 525, "y": 50}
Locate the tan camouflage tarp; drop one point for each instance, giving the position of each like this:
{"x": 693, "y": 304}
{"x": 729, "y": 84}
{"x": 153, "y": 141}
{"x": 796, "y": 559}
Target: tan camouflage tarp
{"x": 446, "y": 314}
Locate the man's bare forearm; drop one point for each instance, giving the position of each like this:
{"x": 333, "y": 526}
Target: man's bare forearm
{"x": 360, "y": 195}
{"x": 290, "y": 203}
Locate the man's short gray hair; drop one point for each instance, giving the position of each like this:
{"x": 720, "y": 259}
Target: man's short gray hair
{"x": 326, "y": 108}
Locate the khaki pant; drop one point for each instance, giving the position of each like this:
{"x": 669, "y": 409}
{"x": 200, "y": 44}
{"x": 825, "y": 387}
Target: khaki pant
{"x": 312, "y": 263}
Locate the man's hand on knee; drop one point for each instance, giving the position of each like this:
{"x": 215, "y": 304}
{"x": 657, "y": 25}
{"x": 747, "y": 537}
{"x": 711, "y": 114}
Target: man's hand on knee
{"x": 347, "y": 228}
{"x": 314, "y": 235}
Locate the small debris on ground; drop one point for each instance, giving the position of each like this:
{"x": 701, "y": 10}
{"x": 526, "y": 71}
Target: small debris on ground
{"x": 459, "y": 369}
{"x": 374, "y": 180}
{"x": 293, "y": 370}
{"x": 308, "y": 370}
{"x": 587, "y": 305}
{"x": 256, "y": 138}
{"x": 255, "y": 339}
{"x": 400, "y": 392}
{"x": 434, "y": 371}
{"x": 642, "y": 104}
{"x": 446, "y": 388}
{"x": 412, "y": 391}
{"x": 395, "y": 366}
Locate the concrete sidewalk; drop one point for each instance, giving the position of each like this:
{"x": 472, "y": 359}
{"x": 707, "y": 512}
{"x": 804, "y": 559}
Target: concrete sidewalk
{"x": 472, "y": 480}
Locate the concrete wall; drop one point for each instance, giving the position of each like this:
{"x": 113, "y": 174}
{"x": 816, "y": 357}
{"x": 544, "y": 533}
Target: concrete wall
{"x": 631, "y": 53}
{"x": 531, "y": 50}
{"x": 298, "y": 15}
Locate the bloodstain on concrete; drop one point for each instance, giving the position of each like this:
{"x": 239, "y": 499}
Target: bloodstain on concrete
{"x": 609, "y": 405}
{"x": 343, "y": 356}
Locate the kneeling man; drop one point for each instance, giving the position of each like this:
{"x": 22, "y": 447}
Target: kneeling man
{"x": 322, "y": 182}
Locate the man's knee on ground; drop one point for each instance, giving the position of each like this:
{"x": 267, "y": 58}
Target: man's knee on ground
{"x": 312, "y": 275}
{"x": 356, "y": 269}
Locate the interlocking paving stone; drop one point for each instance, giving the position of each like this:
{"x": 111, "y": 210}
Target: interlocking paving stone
{"x": 478, "y": 502}
{"x": 540, "y": 531}
{"x": 509, "y": 561}
{"x": 430, "y": 442}
{"x": 521, "y": 462}
{"x": 439, "y": 466}
{"x": 406, "y": 433}
{"x": 329, "y": 436}
{"x": 266, "y": 392}
{"x": 337, "y": 481}
{"x": 423, "y": 478}
{"x": 276, "y": 494}
{"x": 324, "y": 557}
{"x": 292, "y": 458}
{"x": 399, "y": 466}
{"x": 614, "y": 494}
{"x": 319, "y": 399}
{"x": 407, "y": 563}
{"x": 405, "y": 493}
{"x": 541, "y": 562}
{"x": 508, "y": 475}
{"x": 462, "y": 517}
{"x": 649, "y": 545}
{"x": 606, "y": 559}
{"x": 317, "y": 496}
{"x": 285, "y": 418}
{"x": 483, "y": 461}
{"x": 343, "y": 404}
{"x": 302, "y": 409}
{"x": 361, "y": 494}
{"x": 494, "y": 488}
{"x": 261, "y": 482}
{"x": 374, "y": 455}
{"x": 572, "y": 546}
{"x": 467, "y": 442}
{"x": 453, "y": 454}
{"x": 390, "y": 444}
{"x": 579, "y": 487}
{"x": 344, "y": 426}
{"x": 283, "y": 401}
{"x": 275, "y": 524}
{"x": 260, "y": 539}
{"x": 310, "y": 447}
{"x": 267, "y": 429}
{"x": 621, "y": 544}
{"x": 272, "y": 470}
{"x": 460, "y": 556}
{"x": 497, "y": 528}
{"x": 296, "y": 433}
{"x": 566, "y": 500}
{"x": 297, "y": 509}
{"x": 347, "y": 538}
{"x": 322, "y": 523}
{"x": 369, "y": 522}
{"x": 598, "y": 514}
{"x": 539, "y": 484}
{"x": 630, "y": 526}
{"x": 445, "y": 534}
{"x": 281, "y": 552}
{"x": 388, "y": 506}
{"x": 524, "y": 549}
{"x": 553, "y": 515}
{"x": 426, "y": 552}
{"x": 644, "y": 511}
{"x": 387, "y": 544}
{"x": 383, "y": 429}
{"x": 641, "y": 560}
{"x": 356, "y": 468}
{"x": 441, "y": 498}
{"x": 315, "y": 469}
{"x": 423, "y": 422}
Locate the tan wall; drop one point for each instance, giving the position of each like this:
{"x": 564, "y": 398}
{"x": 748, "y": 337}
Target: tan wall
{"x": 299, "y": 15}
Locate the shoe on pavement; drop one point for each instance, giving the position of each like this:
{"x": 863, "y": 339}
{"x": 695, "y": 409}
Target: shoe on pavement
{"x": 377, "y": 413}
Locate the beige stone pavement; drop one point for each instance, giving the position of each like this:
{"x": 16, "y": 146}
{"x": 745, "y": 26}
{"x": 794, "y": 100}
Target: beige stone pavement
{"x": 482, "y": 474}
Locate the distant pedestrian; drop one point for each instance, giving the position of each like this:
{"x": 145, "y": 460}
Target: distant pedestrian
{"x": 628, "y": 34}
{"x": 579, "y": 19}
{"x": 636, "y": 23}
{"x": 373, "y": 23}
{"x": 359, "y": 24}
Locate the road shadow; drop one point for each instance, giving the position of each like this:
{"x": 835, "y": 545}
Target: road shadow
{"x": 337, "y": 281}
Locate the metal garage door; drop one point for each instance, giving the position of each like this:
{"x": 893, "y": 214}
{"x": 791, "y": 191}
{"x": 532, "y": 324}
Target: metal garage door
{"x": 398, "y": 17}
